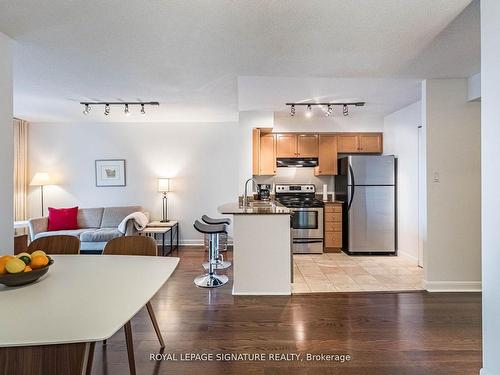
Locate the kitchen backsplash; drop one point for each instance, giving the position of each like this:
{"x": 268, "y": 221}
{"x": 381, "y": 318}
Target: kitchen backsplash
{"x": 297, "y": 176}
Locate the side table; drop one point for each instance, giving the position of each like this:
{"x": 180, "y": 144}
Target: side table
{"x": 157, "y": 227}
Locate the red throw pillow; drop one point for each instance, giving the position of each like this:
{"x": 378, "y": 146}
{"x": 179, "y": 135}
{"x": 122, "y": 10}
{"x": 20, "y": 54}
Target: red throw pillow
{"x": 63, "y": 218}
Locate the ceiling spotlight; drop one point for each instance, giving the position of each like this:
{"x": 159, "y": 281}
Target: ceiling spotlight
{"x": 86, "y": 110}
{"x": 309, "y": 111}
{"x": 346, "y": 110}
{"x": 329, "y": 110}
{"x": 106, "y": 109}
{"x": 143, "y": 111}
{"x": 292, "y": 110}
{"x": 127, "y": 112}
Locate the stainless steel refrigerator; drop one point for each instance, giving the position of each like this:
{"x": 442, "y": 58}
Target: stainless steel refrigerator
{"x": 367, "y": 185}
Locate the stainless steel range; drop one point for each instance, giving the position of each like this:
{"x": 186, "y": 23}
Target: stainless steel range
{"x": 307, "y": 218}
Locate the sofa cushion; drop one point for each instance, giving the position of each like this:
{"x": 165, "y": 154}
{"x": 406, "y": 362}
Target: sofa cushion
{"x": 75, "y": 232}
{"x": 62, "y": 219}
{"x": 90, "y": 217}
{"x": 113, "y": 216}
{"x": 100, "y": 235}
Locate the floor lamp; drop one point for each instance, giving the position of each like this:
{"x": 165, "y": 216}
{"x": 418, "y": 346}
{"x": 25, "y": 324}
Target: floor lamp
{"x": 40, "y": 179}
{"x": 164, "y": 187}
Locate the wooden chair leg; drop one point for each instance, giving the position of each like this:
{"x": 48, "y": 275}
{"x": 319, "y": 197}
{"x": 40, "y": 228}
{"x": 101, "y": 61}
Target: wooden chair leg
{"x": 155, "y": 324}
{"x": 90, "y": 358}
{"x": 130, "y": 347}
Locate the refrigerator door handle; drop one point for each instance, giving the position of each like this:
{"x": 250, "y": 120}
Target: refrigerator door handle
{"x": 352, "y": 187}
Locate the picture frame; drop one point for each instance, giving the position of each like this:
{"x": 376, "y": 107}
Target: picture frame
{"x": 110, "y": 173}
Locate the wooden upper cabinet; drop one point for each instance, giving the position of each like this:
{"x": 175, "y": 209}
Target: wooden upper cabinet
{"x": 355, "y": 143}
{"x": 267, "y": 165}
{"x": 370, "y": 143}
{"x": 327, "y": 156}
{"x": 286, "y": 145}
{"x": 255, "y": 151}
{"x": 307, "y": 145}
{"x": 347, "y": 143}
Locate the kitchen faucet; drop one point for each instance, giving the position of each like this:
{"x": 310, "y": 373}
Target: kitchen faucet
{"x": 245, "y": 201}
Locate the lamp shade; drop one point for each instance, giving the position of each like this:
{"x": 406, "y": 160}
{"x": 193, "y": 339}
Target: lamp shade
{"x": 163, "y": 185}
{"x": 40, "y": 179}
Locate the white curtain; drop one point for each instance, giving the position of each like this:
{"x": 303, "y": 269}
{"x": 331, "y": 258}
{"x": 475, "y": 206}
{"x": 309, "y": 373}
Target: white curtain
{"x": 20, "y": 169}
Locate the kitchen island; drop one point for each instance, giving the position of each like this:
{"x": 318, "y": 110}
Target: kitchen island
{"x": 262, "y": 248}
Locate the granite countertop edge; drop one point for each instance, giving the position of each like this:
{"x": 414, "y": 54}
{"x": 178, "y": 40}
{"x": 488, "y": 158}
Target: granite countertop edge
{"x": 234, "y": 208}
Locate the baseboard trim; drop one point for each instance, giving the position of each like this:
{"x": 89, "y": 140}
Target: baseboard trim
{"x": 483, "y": 371}
{"x": 453, "y": 286}
{"x": 408, "y": 256}
{"x": 197, "y": 242}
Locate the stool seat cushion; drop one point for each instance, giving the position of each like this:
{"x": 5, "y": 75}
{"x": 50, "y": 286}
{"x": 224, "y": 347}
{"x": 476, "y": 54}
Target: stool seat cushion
{"x": 211, "y": 220}
{"x": 209, "y": 229}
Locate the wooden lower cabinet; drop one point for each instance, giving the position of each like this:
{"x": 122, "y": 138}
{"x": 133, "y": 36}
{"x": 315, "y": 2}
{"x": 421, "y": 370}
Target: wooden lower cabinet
{"x": 333, "y": 227}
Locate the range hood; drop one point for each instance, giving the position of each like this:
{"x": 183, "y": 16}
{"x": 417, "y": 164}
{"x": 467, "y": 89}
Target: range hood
{"x": 297, "y": 162}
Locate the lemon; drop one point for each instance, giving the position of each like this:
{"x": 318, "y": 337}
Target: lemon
{"x": 23, "y": 255}
{"x": 15, "y": 265}
{"x": 38, "y": 252}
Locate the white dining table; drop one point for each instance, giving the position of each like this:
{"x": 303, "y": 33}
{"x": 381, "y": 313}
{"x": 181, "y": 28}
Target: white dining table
{"x": 81, "y": 300}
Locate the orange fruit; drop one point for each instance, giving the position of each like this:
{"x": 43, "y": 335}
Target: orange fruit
{"x": 27, "y": 269}
{"x": 39, "y": 261}
{"x": 3, "y": 261}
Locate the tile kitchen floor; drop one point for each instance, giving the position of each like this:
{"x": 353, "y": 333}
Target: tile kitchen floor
{"x": 339, "y": 272}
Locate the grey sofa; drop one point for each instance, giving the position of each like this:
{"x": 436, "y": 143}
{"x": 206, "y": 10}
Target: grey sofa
{"x": 96, "y": 226}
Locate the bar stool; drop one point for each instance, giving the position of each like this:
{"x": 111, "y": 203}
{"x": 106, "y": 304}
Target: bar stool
{"x": 219, "y": 262}
{"x": 210, "y": 279}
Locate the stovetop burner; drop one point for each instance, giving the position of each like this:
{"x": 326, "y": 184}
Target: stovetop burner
{"x": 297, "y": 195}
{"x": 300, "y": 202}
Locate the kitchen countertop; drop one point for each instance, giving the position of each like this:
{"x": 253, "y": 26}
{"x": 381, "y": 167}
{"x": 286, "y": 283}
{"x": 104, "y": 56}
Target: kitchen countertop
{"x": 260, "y": 208}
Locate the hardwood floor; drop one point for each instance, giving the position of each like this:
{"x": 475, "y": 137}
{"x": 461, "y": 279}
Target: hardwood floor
{"x": 384, "y": 333}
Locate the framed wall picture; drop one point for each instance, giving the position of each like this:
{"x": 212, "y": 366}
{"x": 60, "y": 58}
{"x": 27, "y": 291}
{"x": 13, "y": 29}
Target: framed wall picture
{"x": 110, "y": 172}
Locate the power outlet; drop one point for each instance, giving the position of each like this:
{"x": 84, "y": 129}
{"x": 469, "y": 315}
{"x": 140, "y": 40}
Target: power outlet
{"x": 436, "y": 177}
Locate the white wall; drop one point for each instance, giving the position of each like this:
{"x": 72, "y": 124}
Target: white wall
{"x": 401, "y": 140}
{"x": 6, "y": 146}
{"x": 452, "y": 250}
{"x": 201, "y": 158}
{"x": 247, "y": 121}
{"x": 283, "y": 122}
{"x": 474, "y": 87}
{"x": 490, "y": 136}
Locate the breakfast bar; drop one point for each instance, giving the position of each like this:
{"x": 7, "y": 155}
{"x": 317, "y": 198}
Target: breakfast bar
{"x": 262, "y": 248}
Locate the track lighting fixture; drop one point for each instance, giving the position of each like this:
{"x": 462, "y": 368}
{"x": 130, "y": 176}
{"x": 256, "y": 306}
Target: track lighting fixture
{"x": 107, "y": 106}
{"x": 329, "y": 111}
{"x": 309, "y": 112}
{"x": 329, "y": 106}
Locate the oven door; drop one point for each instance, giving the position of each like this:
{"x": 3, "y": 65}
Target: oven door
{"x": 307, "y": 223}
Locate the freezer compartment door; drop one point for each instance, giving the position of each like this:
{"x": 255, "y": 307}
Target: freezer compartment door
{"x": 372, "y": 170}
{"x": 371, "y": 219}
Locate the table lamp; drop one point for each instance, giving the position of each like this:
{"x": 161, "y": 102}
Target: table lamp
{"x": 40, "y": 179}
{"x": 164, "y": 187}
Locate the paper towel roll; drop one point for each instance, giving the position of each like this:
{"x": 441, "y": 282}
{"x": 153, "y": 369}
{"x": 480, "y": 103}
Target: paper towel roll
{"x": 325, "y": 192}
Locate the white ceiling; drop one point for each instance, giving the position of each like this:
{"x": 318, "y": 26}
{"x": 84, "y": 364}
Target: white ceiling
{"x": 188, "y": 54}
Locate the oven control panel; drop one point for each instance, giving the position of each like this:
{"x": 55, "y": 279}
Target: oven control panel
{"x": 295, "y": 188}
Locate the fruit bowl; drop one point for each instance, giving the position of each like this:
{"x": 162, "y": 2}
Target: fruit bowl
{"x": 23, "y": 278}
